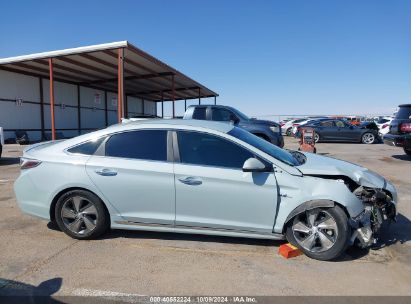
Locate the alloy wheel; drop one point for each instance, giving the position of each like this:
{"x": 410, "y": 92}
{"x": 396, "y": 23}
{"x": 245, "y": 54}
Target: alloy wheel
{"x": 316, "y": 137}
{"x": 79, "y": 215}
{"x": 368, "y": 138}
{"x": 315, "y": 230}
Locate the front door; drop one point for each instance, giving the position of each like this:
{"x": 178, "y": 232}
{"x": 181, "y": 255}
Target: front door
{"x": 348, "y": 131}
{"x": 135, "y": 176}
{"x": 213, "y": 192}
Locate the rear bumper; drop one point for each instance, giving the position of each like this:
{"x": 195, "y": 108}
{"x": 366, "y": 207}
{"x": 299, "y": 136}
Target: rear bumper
{"x": 29, "y": 199}
{"x": 398, "y": 141}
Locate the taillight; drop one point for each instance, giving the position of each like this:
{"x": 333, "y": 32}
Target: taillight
{"x": 384, "y": 126}
{"x": 27, "y": 163}
{"x": 405, "y": 127}
{"x": 296, "y": 124}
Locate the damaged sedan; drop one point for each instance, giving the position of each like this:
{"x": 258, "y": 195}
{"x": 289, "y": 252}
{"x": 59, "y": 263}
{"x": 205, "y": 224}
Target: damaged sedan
{"x": 203, "y": 177}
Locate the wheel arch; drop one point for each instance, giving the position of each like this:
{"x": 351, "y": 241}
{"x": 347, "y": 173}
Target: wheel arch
{"x": 319, "y": 203}
{"x": 64, "y": 191}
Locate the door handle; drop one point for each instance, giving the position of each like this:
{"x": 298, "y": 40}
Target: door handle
{"x": 191, "y": 180}
{"x": 106, "y": 172}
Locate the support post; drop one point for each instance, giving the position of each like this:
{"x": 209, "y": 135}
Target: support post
{"x": 174, "y": 96}
{"x": 125, "y": 107}
{"x": 199, "y": 96}
{"x": 120, "y": 85}
{"x": 162, "y": 104}
{"x": 142, "y": 103}
{"x": 78, "y": 110}
{"x": 185, "y": 105}
{"x": 215, "y": 100}
{"x": 105, "y": 109}
{"x": 41, "y": 107}
{"x": 53, "y": 127}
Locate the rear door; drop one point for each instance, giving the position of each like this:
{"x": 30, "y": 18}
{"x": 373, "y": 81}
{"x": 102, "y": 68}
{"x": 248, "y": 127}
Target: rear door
{"x": 327, "y": 130}
{"x": 135, "y": 175}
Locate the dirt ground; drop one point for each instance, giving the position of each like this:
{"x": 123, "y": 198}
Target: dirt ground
{"x": 35, "y": 253}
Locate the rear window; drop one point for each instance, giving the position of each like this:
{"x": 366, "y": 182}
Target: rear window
{"x": 199, "y": 113}
{"x": 404, "y": 113}
{"x": 87, "y": 148}
{"x": 382, "y": 120}
{"x": 328, "y": 123}
{"x": 142, "y": 144}
{"x": 298, "y": 120}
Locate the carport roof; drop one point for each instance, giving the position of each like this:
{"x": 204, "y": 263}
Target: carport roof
{"x": 96, "y": 66}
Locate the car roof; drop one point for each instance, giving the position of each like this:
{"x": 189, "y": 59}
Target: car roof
{"x": 405, "y": 105}
{"x": 213, "y": 125}
{"x": 199, "y": 125}
{"x": 213, "y": 106}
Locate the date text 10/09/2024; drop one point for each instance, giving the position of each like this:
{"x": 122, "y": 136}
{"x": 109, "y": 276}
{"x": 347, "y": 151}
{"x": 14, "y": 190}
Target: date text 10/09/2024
{"x": 203, "y": 299}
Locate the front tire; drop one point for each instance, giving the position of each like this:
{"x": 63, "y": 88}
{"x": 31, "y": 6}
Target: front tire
{"x": 288, "y": 132}
{"x": 368, "y": 138}
{"x": 408, "y": 152}
{"x": 316, "y": 137}
{"x": 81, "y": 215}
{"x": 321, "y": 233}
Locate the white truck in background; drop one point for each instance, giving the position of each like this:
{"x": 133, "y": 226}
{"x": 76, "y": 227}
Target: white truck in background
{"x": 1, "y": 140}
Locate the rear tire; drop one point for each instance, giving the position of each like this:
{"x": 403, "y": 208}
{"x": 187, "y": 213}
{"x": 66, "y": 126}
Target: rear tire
{"x": 368, "y": 138}
{"x": 408, "y": 152}
{"x": 81, "y": 215}
{"x": 321, "y": 233}
{"x": 288, "y": 132}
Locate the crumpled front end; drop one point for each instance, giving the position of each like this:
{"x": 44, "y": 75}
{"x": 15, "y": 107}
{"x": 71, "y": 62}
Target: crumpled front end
{"x": 380, "y": 207}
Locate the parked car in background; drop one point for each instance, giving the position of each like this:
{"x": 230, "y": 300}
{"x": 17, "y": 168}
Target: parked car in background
{"x": 1, "y": 141}
{"x": 338, "y": 130}
{"x": 202, "y": 177}
{"x": 268, "y": 130}
{"x": 303, "y": 122}
{"x": 384, "y": 125}
{"x": 369, "y": 125}
{"x": 287, "y": 128}
{"x": 400, "y": 129}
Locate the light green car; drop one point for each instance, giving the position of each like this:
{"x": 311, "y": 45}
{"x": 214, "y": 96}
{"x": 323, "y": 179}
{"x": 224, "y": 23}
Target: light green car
{"x": 202, "y": 177}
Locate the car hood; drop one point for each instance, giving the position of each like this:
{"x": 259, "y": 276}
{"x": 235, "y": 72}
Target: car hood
{"x": 322, "y": 165}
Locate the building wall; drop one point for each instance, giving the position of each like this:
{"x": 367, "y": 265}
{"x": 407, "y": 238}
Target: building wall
{"x": 20, "y": 107}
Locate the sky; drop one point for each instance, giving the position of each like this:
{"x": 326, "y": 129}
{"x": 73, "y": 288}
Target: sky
{"x": 262, "y": 57}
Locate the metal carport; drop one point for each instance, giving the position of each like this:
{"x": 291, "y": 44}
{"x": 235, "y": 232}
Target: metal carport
{"x": 113, "y": 67}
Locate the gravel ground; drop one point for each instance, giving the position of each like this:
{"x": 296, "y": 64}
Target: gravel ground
{"x": 144, "y": 263}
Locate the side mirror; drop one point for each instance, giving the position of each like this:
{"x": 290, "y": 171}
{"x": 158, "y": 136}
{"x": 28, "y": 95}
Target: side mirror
{"x": 254, "y": 165}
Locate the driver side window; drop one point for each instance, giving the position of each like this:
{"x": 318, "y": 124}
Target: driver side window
{"x": 340, "y": 124}
{"x": 209, "y": 150}
{"x": 327, "y": 124}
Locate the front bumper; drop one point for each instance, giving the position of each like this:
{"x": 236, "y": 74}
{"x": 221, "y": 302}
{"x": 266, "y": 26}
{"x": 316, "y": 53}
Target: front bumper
{"x": 398, "y": 140}
{"x": 378, "y": 209}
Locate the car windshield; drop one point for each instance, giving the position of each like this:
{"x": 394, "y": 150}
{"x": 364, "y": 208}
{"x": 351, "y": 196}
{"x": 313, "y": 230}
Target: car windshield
{"x": 265, "y": 146}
